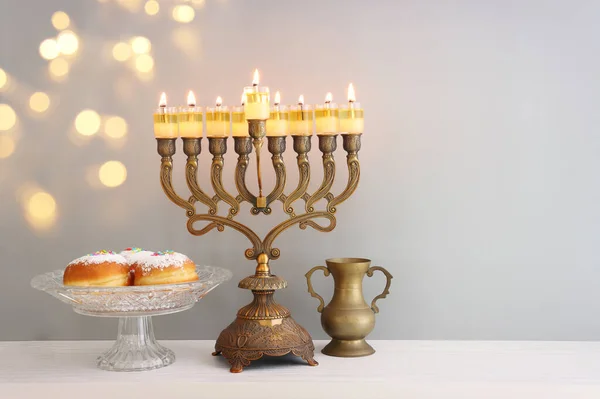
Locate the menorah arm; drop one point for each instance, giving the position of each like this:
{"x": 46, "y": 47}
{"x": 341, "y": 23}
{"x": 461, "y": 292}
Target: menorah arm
{"x": 276, "y": 148}
{"x": 243, "y": 147}
{"x": 302, "y": 147}
{"x": 166, "y": 149}
{"x": 192, "y": 148}
{"x": 327, "y": 145}
{"x": 352, "y": 146}
{"x": 217, "y": 147}
{"x": 219, "y": 223}
{"x": 304, "y": 221}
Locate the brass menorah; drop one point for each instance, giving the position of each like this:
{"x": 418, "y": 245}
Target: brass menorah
{"x": 262, "y": 327}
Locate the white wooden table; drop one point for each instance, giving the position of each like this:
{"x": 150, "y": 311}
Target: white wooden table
{"x": 399, "y": 369}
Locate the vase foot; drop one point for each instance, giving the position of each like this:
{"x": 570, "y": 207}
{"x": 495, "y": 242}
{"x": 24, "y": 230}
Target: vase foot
{"x": 348, "y": 348}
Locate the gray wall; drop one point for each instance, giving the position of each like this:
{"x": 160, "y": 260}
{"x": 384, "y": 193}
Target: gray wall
{"x": 480, "y": 184}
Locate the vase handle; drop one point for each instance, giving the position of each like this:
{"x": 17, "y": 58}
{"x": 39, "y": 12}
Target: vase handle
{"x": 386, "y": 290}
{"x": 310, "y": 287}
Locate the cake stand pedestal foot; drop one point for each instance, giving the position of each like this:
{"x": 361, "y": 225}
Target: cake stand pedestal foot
{"x": 136, "y": 348}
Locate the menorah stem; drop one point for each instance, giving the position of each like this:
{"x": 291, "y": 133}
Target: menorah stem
{"x": 302, "y": 147}
{"x": 327, "y": 145}
{"x": 243, "y": 147}
{"x": 257, "y": 129}
{"x": 276, "y": 145}
{"x": 166, "y": 149}
{"x": 192, "y": 148}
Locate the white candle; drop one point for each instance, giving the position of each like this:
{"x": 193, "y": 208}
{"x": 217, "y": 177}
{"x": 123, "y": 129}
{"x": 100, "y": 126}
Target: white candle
{"x": 218, "y": 120}
{"x": 190, "y": 119}
{"x": 352, "y": 115}
{"x": 327, "y": 117}
{"x": 277, "y": 125}
{"x": 301, "y": 119}
{"x": 165, "y": 120}
{"x": 257, "y": 100}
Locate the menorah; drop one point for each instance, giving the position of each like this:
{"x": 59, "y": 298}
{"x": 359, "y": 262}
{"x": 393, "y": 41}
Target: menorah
{"x": 262, "y": 327}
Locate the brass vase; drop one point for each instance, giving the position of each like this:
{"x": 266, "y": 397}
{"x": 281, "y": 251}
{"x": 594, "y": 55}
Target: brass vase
{"x": 347, "y": 319}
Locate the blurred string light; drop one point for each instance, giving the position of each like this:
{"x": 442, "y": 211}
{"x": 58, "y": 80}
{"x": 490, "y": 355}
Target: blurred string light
{"x": 3, "y": 80}
{"x": 151, "y": 7}
{"x": 7, "y": 146}
{"x": 144, "y": 63}
{"x": 141, "y": 45}
{"x": 183, "y": 13}
{"x": 112, "y": 173}
{"x": 131, "y": 5}
{"x": 60, "y": 20}
{"x": 8, "y": 117}
{"x": 58, "y": 68}
{"x": 87, "y": 122}
{"x": 115, "y": 127}
{"x": 40, "y": 209}
{"x": 49, "y": 49}
{"x": 186, "y": 40}
{"x": 39, "y": 102}
{"x": 68, "y": 42}
{"x": 121, "y": 51}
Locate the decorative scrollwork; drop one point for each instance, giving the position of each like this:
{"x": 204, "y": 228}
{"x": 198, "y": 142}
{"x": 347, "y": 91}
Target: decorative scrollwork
{"x": 353, "y": 178}
{"x": 328, "y": 177}
{"x": 240, "y": 179}
{"x": 303, "y": 181}
{"x": 217, "y": 183}
{"x": 166, "y": 173}
{"x": 192, "y": 182}
{"x": 220, "y": 222}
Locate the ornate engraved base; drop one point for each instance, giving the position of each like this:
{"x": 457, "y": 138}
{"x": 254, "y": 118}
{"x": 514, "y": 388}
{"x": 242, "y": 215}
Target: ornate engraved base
{"x": 263, "y": 328}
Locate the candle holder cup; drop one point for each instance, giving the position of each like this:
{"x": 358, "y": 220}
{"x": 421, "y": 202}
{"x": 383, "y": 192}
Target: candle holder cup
{"x": 263, "y": 327}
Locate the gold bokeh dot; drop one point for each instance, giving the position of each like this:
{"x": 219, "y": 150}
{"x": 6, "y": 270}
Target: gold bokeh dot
{"x": 183, "y": 13}
{"x": 49, "y": 49}
{"x": 68, "y": 42}
{"x": 187, "y": 40}
{"x": 8, "y": 118}
{"x": 121, "y": 51}
{"x": 144, "y": 63}
{"x": 112, "y": 173}
{"x": 115, "y": 127}
{"x": 40, "y": 210}
{"x": 58, "y": 68}
{"x": 87, "y": 123}
{"x": 199, "y": 3}
{"x": 3, "y": 79}
{"x": 140, "y": 45}
{"x": 151, "y": 7}
{"x": 60, "y": 20}
{"x": 39, "y": 102}
{"x": 7, "y": 146}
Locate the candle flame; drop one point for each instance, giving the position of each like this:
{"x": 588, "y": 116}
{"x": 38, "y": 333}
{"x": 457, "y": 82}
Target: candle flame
{"x": 255, "y": 79}
{"x": 277, "y": 98}
{"x": 351, "y": 94}
{"x": 219, "y": 101}
{"x": 191, "y": 100}
{"x": 328, "y": 98}
{"x": 163, "y": 100}
{"x": 243, "y": 98}
{"x": 301, "y": 99}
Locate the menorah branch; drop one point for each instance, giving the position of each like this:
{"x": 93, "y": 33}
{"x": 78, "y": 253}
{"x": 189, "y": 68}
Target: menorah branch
{"x": 327, "y": 145}
{"x": 277, "y": 148}
{"x": 217, "y": 146}
{"x": 192, "y": 148}
{"x": 166, "y": 149}
{"x": 351, "y": 146}
{"x": 302, "y": 147}
{"x": 243, "y": 147}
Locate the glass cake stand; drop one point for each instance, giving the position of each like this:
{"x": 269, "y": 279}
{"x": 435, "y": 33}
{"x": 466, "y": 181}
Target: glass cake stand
{"x": 136, "y": 348}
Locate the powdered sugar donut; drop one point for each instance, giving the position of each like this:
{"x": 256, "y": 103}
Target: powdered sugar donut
{"x": 166, "y": 267}
{"x": 101, "y": 268}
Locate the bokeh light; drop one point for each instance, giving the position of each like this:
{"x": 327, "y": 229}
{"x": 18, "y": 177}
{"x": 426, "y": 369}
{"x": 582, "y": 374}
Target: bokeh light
{"x": 7, "y": 146}
{"x": 144, "y": 63}
{"x": 112, "y": 173}
{"x": 39, "y": 102}
{"x": 87, "y": 123}
{"x": 115, "y": 127}
{"x": 58, "y": 68}
{"x": 183, "y": 13}
{"x": 68, "y": 42}
{"x": 187, "y": 40}
{"x": 151, "y": 7}
{"x": 131, "y": 5}
{"x": 3, "y": 80}
{"x": 140, "y": 45}
{"x": 40, "y": 210}
{"x": 49, "y": 49}
{"x": 60, "y": 20}
{"x": 121, "y": 51}
{"x": 8, "y": 117}
{"x": 198, "y": 3}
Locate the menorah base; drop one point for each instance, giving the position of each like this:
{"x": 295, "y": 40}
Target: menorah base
{"x": 248, "y": 339}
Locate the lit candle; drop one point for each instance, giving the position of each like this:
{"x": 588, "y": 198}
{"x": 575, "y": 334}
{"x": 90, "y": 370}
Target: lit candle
{"x": 277, "y": 125}
{"x": 165, "y": 120}
{"x": 239, "y": 126}
{"x": 217, "y": 120}
{"x": 327, "y": 117}
{"x": 352, "y": 115}
{"x": 257, "y": 100}
{"x": 190, "y": 119}
{"x": 301, "y": 119}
